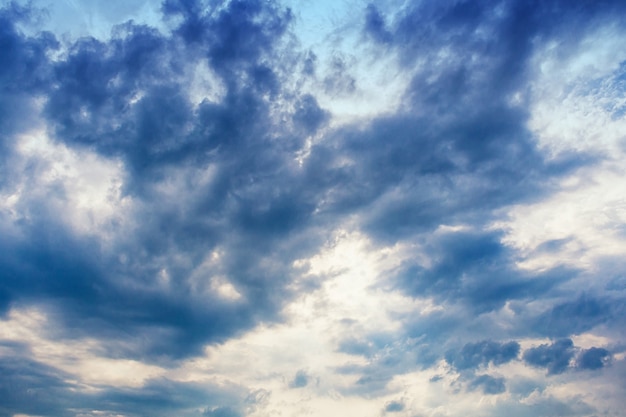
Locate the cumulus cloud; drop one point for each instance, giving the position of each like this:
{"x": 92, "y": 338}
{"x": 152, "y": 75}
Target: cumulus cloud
{"x": 554, "y": 357}
{"x": 474, "y": 355}
{"x": 127, "y": 98}
{"x": 593, "y": 358}
{"x": 166, "y": 191}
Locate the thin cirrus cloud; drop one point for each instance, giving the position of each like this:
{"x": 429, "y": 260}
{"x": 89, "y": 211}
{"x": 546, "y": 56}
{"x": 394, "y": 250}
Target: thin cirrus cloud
{"x": 211, "y": 209}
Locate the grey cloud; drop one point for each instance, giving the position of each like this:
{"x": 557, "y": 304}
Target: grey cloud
{"x": 394, "y": 407}
{"x": 456, "y": 151}
{"x": 577, "y": 316}
{"x": 221, "y": 412}
{"x": 30, "y": 387}
{"x": 562, "y": 355}
{"x": 593, "y": 358}
{"x": 300, "y": 380}
{"x": 375, "y": 25}
{"x": 489, "y": 384}
{"x": 23, "y": 77}
{"x": 474, "y": 355}
{"x": 554, "y": 357}
{"x": 126, "y": 98}
{"x": 308, "y": 115}
{"x": 545, "y": 406}
{"x": 338, "y": 80}
{"x": 475, "y": 268}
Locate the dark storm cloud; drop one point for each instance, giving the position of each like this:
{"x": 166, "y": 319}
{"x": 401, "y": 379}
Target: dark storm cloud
{"x": 474, "y": 355}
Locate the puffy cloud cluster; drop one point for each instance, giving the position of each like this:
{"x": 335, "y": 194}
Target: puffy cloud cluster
{"x": 166, "y": 192}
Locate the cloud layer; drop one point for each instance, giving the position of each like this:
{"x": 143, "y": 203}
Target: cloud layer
{"x": 211, "y": 212}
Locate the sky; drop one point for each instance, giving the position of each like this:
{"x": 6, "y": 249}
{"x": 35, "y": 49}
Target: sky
{"x": 264, "y": 208}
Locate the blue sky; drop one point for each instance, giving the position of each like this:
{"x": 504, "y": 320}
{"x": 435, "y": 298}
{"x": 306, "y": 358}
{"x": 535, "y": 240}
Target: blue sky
{"x": 259, "y": 208}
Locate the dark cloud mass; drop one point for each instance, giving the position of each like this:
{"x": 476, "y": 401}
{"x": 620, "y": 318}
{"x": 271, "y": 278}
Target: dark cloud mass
{"x": 593, "y": 358}
{"x": 473, "y": 355}
{"x": 562, "y": 355}
{"x": 232, "y": 164}
{"x": 576, "y": 316}
{"x": 476, "y": 269}
{"x": 554, "y": 357}
{"x": 127, "y": 98}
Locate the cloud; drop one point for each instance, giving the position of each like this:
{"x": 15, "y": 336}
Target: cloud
{"x": 554, "y": 357}
{"x": 31, "y": 387}
{"x": 489, "y": 384}
{"x": 375, "y": 25}
{"x": 24, "y": 76}
{"x": 562, "y": 355}
{"x": 221, "y": 412}
{"x": 165, "y": 191}
{"x": 300, "y": 380}
{"x": 577, "y": 316}
{"x": 394, "y": 407}
{"x": 474, "y": 355}
{"x": 593, "y": 358}
{"x": 545, "y": 405}
{"x": 127, "y": 99}
{"x": 476, "y": 269}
